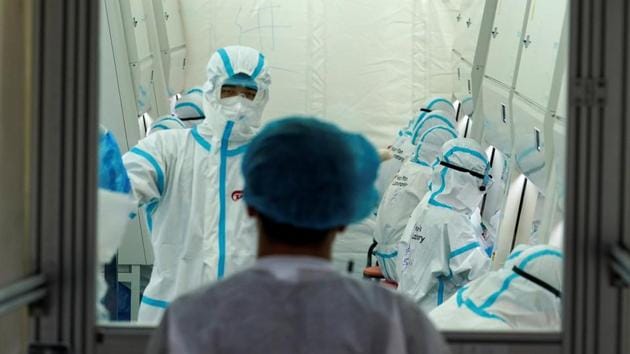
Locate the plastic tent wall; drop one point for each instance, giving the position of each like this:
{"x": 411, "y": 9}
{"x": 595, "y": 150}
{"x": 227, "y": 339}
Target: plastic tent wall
{"x": 364, "y": 64}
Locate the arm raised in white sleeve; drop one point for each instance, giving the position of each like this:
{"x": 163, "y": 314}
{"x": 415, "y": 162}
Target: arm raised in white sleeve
{"x": 146, "y": 167}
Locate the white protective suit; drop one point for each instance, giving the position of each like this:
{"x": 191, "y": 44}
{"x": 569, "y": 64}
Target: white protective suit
{"x": 189, "y": 108}
{"x": 505, "y": 299}
{"x": 439, "y": 251}
{"x": 295, "y": 305}
{"x": 407, "y": 189}
{"x": 402, "y": 148}
{"x": 190, "y": 182}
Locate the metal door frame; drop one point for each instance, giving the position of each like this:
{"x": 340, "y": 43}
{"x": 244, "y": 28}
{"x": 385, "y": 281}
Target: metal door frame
{"x": 65, "y": 126}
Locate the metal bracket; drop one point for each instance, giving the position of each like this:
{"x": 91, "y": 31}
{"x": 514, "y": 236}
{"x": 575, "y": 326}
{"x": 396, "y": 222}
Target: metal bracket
{"x": 26, "y": 292}
{"x": 537, "y": 137}
{"x": 620, "y": 266}
{"x": 589, "y": 92}
{"x": 495, "y": 32}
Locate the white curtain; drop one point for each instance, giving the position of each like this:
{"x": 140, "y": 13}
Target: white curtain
{"x": 367, "y": 65}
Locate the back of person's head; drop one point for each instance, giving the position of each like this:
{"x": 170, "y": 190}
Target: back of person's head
{"x": 305, "y": 177}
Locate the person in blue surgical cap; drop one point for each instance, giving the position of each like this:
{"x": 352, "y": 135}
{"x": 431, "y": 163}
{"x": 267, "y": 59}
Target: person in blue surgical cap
{"x": 305, "y": 181}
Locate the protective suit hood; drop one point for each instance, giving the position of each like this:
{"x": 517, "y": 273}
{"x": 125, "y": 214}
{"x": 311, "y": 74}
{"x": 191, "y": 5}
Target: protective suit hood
{"x": 189, "y": 108}
{"x": 459, "y": 176}
{"x": 430, "y": 142}
{"x": 507, "y": 297}
{"x": 437, "y": 105}
{"x": 244, "y": 114}
{"x": 434, "y": 105}
{"x": 431, "y": 120}
{"x": 166, "y": 122}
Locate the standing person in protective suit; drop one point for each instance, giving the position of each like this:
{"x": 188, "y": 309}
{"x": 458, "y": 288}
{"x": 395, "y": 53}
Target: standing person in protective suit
{"x": 305, "y": 181}
{"x": 189, "y": 180}
{"x": 440, "y": 251}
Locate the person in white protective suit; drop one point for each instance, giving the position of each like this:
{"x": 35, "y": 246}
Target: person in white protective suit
{"x": 525, "y": 294}
{"x": 405, "y": 192}
{"x": 166, "y": 122}
{"x": 439, "y": 251}
{"x": 305, "y": 180}
{"x": 190, "y": 182}
{"x": 189, "y": 107}
{"x": 402, "y": 147}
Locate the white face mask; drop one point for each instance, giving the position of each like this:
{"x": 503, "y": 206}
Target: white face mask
{"x": 240, "y": 110}
{"x": 245, "y": 114}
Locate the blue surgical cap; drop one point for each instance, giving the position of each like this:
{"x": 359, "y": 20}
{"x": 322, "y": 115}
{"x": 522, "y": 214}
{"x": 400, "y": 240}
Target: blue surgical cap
{"x": 112, "y": 174}
{"x": 307, "y": 173}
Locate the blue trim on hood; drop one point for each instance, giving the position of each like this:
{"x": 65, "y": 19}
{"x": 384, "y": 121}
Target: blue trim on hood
{"x": 259, "y": 66}
{"x": 229, "y": 70}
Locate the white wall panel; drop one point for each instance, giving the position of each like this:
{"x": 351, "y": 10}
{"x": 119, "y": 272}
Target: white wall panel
{"x": 541, "y": 48}
{"x": 505, "y": 40}
{"x": 468, "y": 24}
{"x": 495, "y": 110}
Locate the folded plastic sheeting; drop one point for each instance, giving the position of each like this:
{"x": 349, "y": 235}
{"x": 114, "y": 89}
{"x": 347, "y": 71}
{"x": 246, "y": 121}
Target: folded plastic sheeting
{"x": 366, "y": 65}
{"x": 114, "y": 215}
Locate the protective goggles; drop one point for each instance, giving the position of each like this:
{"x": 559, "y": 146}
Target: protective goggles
{"x": 543, "y": 284}
{"x": 238, "y": 85}
{"x": 485, "y": 177}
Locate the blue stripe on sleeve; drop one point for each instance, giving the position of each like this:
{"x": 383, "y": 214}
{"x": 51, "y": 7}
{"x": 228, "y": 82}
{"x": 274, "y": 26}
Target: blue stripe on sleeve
{"x": 155, "y": 302}
{"x": 463, "y": 249}
{"x": 158, "y": 170}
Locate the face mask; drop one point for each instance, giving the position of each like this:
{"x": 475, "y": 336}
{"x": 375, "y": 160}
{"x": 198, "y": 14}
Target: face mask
{"x": 240, "y": 110}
